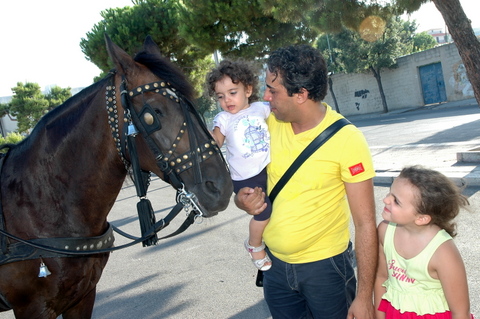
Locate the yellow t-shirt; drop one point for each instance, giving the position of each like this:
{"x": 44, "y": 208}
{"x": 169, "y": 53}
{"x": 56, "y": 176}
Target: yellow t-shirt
{"x": 311, "y": 216}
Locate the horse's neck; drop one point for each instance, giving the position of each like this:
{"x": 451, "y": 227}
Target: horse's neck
{"x": 69, "y": 170}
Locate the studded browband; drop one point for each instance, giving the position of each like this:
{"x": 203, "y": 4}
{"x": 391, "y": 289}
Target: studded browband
{"x": 179, "y": 163}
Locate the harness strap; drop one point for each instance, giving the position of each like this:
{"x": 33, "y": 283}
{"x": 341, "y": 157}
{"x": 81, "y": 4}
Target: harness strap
{"x": 189, "y": 221}
{"x": 139, "y": 124}
{"x": 197, "y": 173}
{"x": 43, "y": 247}
{"x": 56, "y": 247}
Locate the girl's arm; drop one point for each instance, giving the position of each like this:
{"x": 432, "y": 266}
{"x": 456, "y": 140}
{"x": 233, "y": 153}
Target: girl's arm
{"x": 382, "y": 273}
{"x": 447, "y": 265}
{"x": 218, "y": 136}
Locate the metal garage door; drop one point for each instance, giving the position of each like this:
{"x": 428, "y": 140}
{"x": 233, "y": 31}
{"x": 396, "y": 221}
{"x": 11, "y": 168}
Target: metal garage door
{"x": 433, "y": 84}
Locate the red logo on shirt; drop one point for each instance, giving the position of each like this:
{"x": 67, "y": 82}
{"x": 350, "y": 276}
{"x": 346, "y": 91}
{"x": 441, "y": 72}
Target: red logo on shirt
{"x": 356, "y": 169}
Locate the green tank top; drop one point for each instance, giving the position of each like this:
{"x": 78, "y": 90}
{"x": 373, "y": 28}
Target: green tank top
{"x": 409, "y": 285}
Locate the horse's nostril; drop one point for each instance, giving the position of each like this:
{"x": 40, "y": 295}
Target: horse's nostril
{"x": 211, "y": 188}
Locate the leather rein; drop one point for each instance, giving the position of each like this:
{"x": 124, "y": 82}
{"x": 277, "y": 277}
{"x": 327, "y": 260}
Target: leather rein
{"x": 146, "y": 122}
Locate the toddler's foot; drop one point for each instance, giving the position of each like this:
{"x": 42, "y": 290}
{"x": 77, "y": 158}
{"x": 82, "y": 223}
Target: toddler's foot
{"x": 259, "y": 256}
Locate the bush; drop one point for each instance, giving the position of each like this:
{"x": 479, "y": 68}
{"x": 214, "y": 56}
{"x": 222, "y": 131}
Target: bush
{"x": 11, "y": 138}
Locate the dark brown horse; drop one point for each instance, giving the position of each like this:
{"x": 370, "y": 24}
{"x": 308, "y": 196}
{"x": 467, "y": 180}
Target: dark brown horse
{"x": 63, "y": 179}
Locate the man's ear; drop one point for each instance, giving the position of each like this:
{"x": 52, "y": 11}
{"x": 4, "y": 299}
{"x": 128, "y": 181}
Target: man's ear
{"x": 423, "y": 219}
{"x": 302, "y": 96}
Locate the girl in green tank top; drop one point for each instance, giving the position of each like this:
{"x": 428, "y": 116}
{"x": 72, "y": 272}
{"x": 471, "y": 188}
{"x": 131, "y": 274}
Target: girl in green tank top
{"x": 420, "y": 271}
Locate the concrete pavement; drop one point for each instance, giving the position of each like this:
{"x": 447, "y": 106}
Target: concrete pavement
{"x": 450, "y": 159}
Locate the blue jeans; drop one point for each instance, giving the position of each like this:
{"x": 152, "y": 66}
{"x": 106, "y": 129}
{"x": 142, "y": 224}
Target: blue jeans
{"x": 323, "y": 289}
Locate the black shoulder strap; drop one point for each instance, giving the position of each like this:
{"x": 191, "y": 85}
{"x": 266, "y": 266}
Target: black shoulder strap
{"x": 309, "y": 150}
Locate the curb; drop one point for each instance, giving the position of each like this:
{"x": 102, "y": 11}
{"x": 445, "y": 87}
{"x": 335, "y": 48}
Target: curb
{"x": 461, "y": 181}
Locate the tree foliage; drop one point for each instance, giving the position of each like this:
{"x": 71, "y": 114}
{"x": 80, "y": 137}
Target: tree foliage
{"x": 423, "y": 41}
{"x": 11, "y": 138}
{"x": 348, "y": 52}
{"x": 29, "y": 104}
{"x": 57, "y": 96}
{"x": 3, "y": 109}
{"x": 238, "y": 28}
{"x": 128, "y": 28}
{"x": 326, "y": 15}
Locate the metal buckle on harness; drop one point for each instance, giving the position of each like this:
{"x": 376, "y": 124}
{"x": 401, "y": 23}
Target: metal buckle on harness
{"x": 190, "y": 202}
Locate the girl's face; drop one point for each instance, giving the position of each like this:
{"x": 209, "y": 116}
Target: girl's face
{"x": 232, "y": 97}
{"x": 401, "y": 202}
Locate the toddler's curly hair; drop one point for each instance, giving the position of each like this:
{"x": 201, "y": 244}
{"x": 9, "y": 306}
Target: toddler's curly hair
{"x": 240, "y": 71}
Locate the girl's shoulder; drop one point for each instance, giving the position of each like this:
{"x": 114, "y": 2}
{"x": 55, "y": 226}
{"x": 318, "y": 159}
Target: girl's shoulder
{"x": 382, "y": 229}
{"x": 446, "y": 260}
{"x": 446, "y": 250}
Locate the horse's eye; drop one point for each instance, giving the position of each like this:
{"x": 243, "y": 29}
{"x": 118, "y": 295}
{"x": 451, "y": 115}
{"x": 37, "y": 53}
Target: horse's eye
{"x": 159, "y": 113}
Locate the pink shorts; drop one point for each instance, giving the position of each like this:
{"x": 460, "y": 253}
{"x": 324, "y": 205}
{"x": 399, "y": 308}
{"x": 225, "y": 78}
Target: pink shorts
{"x": 393, "y": 313}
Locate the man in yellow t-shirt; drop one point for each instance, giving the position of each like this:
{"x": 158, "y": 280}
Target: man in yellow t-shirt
{"x": 308, "y": 236}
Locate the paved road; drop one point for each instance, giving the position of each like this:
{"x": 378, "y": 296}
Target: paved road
{"x": 205, "y": 272}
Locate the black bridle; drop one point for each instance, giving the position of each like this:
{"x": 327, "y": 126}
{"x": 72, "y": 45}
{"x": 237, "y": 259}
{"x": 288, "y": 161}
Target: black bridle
{"x": 145, "y": 122}
{"x": 148, "y": 122}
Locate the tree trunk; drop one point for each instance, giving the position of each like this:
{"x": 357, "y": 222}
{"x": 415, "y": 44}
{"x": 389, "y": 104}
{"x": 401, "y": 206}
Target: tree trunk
{"x": 376, "y": 74}
{"x": 467, "y": 43}
{"x": 330, "y": 86}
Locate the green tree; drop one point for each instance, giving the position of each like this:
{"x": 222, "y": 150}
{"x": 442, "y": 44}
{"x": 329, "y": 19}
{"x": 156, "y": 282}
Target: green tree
{"x": 11, "y": 138}
{"x": 423, "y": 41}
{"x": 28, "y": 105}
{"x": 238, "y": 28}
{"x": 128, "y": 28}
{"x": 355, "y": 55}
{"x": 57, "y": 96}
{"x": 4, "y": 107}
{"x": 330, "y": 51}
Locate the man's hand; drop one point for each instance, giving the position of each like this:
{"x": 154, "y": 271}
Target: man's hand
{"x": 361, "y": 309}
{"x": 251, "y": 200}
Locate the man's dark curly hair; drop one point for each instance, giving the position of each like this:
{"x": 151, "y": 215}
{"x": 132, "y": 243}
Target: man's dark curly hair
{"x": 301, "y": 67}
{"x": 239, "y": 71}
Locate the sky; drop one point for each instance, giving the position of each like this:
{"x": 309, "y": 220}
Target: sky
{"x": 40, "y": 39}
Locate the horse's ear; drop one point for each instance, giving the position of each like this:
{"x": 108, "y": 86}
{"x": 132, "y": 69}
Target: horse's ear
{"x": 123, "y": 62}
{"x": 150, "y": 46}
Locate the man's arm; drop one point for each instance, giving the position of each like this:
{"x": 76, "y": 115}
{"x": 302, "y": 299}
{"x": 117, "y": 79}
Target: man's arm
{"x": 362, "y": 206}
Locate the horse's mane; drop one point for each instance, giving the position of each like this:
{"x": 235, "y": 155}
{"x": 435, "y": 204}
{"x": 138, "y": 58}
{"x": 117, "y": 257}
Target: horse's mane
{"x": 167, "y": 71}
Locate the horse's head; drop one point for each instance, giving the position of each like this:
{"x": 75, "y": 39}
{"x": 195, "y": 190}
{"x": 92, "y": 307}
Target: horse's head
{"x": 172, "y": 139}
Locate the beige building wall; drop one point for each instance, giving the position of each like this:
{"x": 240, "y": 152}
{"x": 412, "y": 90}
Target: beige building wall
{"x": 359, "y": 93}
